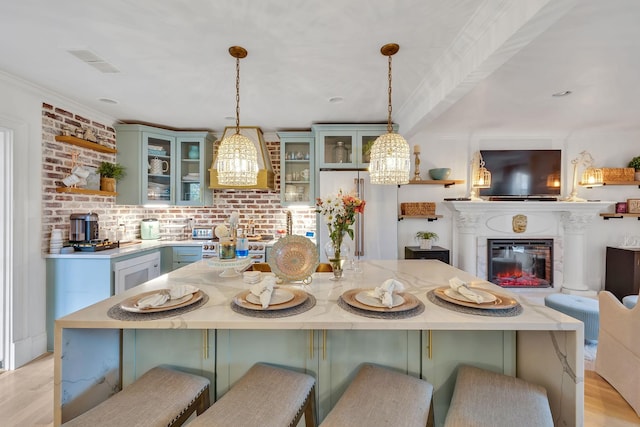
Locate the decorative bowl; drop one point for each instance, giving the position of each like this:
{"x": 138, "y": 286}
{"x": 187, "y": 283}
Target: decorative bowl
{"x": 440, "y": 173}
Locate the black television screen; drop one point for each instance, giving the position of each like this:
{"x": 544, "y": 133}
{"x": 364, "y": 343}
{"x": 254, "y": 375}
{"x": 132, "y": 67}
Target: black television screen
{"x": 522, "y": 173}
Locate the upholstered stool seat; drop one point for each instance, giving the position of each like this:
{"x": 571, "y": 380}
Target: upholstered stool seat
{"x": 483, "y": 398}
{"x": 630, "y": 301}
{"x": 161, "y": 397}
{"x": 379, "y": 397}
{"x": 581, "y": 308}
{"x": 266, "y": 396}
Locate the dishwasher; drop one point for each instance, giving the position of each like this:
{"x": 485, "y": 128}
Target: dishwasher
{"x": 135, "y": 271}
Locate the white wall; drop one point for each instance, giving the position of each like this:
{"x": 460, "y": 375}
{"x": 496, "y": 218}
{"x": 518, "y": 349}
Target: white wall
{"x": 609, "y": 149}
{"x": 20, "y": 110}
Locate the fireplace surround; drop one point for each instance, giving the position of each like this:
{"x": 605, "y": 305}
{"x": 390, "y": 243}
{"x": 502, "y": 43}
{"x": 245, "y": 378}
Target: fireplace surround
{"x": 566, "y": 223}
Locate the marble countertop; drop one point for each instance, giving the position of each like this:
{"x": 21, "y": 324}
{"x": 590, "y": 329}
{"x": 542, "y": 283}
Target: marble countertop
{"x": 144, "y": 245}
{"x": 418, "y": 276}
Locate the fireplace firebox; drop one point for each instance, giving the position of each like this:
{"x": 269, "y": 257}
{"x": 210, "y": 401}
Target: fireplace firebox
{"x": 520, "y": 263}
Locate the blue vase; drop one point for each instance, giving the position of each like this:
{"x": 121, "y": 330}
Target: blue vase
{"x": 194, "y": 152}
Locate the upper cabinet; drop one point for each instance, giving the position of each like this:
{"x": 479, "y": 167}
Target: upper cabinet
{"x": 163, "y": 167}
{"x": 297, "y": 169}
{"x": 345, "y": 146}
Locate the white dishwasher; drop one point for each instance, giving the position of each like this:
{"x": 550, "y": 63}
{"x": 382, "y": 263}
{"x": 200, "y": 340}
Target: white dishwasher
{"x": 135, "y": 271}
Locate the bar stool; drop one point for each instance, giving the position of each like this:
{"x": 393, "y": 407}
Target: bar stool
{"x": 161, "y": 397}
{"x": 380, "y": 397}
{"x": 483, "y": 398}
{"x": 266, "y": 396}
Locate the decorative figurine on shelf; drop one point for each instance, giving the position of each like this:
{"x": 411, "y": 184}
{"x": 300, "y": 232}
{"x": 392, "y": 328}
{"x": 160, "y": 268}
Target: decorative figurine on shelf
{"x": 79, "y": 133}
{"x": 416, "y": 173}
{"x": 89, "y": 135}
{"x": 66, "y": 130}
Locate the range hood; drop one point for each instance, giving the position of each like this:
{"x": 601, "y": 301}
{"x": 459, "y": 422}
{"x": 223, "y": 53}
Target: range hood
{"x": 266, "y": 179}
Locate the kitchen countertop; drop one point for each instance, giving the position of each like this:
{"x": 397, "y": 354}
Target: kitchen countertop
{"x": 144, "y": 245}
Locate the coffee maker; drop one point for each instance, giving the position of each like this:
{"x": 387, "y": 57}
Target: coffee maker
{"x": 84, "y": 228}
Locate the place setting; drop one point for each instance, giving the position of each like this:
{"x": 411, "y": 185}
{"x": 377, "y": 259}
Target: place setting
{"x": 160, "y": 303}
{"x": 266, "y": 300}
{"x": 465, "y": 298}
{"x": 387, "y": 301}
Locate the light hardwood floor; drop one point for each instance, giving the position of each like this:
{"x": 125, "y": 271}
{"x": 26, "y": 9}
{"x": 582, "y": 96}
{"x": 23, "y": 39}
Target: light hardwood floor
{"x": 26, "y": 399}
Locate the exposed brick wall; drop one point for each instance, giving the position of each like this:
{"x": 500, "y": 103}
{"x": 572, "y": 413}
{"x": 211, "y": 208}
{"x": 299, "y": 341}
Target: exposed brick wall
{"x": 260, "y": 205}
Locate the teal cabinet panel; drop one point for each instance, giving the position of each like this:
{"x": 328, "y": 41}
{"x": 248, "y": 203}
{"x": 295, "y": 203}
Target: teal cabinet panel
{"x": 494, "y": 350}
{"x": 297, "y": 169}
{"x": 190, "y": 350}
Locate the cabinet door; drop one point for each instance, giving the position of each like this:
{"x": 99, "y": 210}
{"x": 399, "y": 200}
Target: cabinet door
{"x": 342, "y": 352}
{"x": 336, "y": 148}
{"x": 160, "y": 168}
{"x": 493, "y": 350}
{"x": 238, "y": 350}
{"x": 193, "y": 157}
{"x": 296, "y": 169}
{"x": 191, "y": 350}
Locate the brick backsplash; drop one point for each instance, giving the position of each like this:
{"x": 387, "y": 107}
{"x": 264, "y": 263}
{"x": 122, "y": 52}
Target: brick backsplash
{"x": 262, "y": 206}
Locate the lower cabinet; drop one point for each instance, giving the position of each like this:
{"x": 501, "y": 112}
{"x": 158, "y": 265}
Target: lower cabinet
{"x": 444, "y": 351}
{"x": 184, "y": 255}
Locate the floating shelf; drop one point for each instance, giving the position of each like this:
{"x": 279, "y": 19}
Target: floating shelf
{"x": 607, "y": 216}
{"x": 622, "y": 183}
{"x": 429, "y": 218}
{"x": 446, "y": 182}
{"x": 85, "y": 191}
{"x": 85, "y": 144}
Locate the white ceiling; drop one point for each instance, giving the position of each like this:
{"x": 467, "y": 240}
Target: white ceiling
{"x": 463, "y": 65}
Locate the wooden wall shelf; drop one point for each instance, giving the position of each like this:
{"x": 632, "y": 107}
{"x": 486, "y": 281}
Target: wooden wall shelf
{"x": 429, "y": 218}
{"x": 622, "y": 183}
{"x": 85, "y": 191}
{"x": 85, "y": 144}
{"x": 607, "y": 216}
{"x": 446, "y": 182}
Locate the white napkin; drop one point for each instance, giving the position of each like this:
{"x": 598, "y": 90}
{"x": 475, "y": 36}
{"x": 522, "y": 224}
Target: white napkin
{"x": 159, "y": 298}
{"x": 463, "y": 289}
{"x": 386, "y": 290}
{"x": 263, "y": 290}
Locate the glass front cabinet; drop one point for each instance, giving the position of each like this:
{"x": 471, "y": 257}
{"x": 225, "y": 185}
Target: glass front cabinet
{"x": 163, "y": 167}
{"x": 345, "y": 146}
{"x": 297, "y": 169}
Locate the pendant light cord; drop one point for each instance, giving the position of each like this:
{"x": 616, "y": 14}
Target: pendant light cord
{"x": 237, "y": 95}
{"x": 389, "y": 108}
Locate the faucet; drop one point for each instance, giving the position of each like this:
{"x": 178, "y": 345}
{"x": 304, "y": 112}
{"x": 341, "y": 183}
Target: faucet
{"x": 289, "y": 224}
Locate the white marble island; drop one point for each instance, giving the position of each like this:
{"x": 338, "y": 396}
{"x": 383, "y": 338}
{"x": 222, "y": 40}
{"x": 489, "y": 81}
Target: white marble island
{"x": 539, "y": 345}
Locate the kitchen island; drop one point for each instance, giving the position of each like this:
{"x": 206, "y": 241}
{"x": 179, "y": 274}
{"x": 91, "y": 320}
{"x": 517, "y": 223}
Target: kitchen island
{"x": 96, "y": 354}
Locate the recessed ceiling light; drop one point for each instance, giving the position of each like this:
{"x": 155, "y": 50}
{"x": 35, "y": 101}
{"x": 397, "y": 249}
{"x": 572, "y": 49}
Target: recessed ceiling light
{"x": 108, "y": 100}
{"x": 563, "y": 93}
{"x": 336, "y": 100}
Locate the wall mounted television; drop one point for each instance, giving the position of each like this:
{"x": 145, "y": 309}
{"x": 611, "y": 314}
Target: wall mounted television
{"x": 523, "y": 174}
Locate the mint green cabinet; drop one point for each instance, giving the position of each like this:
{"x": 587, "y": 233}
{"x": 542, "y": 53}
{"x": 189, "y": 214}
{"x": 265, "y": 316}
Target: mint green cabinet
{"x": 184, "y": 255}
{"x": 163, "y": 167}
{"x": 444, "y": 351}
{"x": 297, "y": 169}
{"x": 345, "y": 146}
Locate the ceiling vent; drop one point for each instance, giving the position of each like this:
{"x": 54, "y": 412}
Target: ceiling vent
{"x": 94, "y": 60}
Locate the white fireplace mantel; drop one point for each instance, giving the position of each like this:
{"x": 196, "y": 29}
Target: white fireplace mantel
{"x": 475, "y": 221}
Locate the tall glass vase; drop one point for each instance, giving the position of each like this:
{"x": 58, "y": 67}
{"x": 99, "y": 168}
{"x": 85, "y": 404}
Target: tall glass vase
{"x": 337, "y": 251}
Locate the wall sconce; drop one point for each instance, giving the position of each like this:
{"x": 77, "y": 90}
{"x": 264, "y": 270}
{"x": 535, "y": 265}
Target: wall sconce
{"x": 591, "y": 177}
{"x": 480, "y": 176}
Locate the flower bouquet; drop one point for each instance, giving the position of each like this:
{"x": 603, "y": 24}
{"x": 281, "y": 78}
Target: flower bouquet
{"x": 339, "y": 212}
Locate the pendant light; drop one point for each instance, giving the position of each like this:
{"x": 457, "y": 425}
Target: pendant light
{"x": 390, "y": 159}
{"x": 237, "y": 162}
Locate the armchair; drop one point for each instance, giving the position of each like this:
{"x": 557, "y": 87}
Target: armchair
{"x": 618, "y": 357}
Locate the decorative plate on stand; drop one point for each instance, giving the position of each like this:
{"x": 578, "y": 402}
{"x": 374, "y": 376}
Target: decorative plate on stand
{"x": 294, "y": 258}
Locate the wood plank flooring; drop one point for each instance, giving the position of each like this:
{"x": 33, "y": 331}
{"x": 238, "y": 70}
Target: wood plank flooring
{"x": 26, "y": 399}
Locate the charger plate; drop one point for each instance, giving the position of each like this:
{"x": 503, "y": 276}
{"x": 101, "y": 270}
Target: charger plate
{"x": 299, "y": 297}
{"x": 294, "y": 258}
{"x": 410, "y": 301}
{"x": 502, "y": 302}
{"x": 130, "y": 304}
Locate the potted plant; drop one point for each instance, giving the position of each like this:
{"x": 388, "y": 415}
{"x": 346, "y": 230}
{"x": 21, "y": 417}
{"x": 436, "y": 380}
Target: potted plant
{"x": 635, "y": 163}
{"x": 426, "y": 238}
{"x": 109, "y": 174}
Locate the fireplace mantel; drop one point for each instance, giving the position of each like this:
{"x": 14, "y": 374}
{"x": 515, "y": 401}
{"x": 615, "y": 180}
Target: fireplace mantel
{"x": 475, "y": 221}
